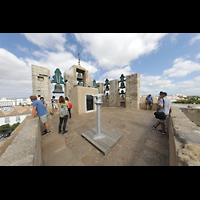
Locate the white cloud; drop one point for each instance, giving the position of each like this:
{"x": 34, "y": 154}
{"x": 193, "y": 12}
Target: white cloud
{"x": 62, "y": 60}
{"x": 174, "y": 37}
{"x": 54, "y": 41}
{"x": 115, "y": 73}
{"x": 181, "y": 68}
{"x": 191, "y": 87}
{"x": 118, "y": 49}
{"x": 72, "y": 47}
{"x": 12, "y": 68}
{"x": 153, "y": 81}
{"x": 198, "y": 55}
{"x": 15, "y": 75}
{"x": 194, "y": 39}
{"x": 154, "y": 84}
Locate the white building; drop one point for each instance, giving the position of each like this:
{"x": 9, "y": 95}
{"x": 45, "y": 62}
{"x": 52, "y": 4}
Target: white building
{"x": 12, "y": 119}
{"x": 10, "y": 102}
{"x": 7, "y": 103}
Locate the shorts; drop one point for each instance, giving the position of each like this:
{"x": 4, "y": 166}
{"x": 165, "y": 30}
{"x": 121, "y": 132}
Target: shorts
{"x": 162, "y": 120}
{"x": 55, "y": 105}
{"x": 149, "y": 102}
{"x": 44, "y": 118}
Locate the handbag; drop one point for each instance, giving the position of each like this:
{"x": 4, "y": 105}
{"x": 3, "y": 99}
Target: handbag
{"x": 160, "y": 115}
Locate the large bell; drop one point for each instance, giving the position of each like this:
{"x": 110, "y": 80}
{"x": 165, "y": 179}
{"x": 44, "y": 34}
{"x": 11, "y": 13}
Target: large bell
{"x": 58, "y": 88}
{"x": 107, "y": 88}
{"x": 122, "y": 85}
{"x": 80, "y": 75}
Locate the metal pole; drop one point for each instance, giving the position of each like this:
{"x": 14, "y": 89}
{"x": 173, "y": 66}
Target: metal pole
{"x": 98, "y": 103}
{"x": 98, "y": 120}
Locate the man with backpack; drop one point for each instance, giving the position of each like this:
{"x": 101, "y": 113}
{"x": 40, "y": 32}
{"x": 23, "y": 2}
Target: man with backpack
{"x": 63, "y": 114}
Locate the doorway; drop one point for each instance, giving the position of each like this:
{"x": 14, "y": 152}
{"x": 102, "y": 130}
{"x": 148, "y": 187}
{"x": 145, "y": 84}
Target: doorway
{"x": 89, "y": 102}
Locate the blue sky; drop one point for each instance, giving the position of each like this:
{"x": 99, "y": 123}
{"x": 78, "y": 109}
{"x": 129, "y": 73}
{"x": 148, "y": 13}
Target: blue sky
{"x": 165, "y": 61}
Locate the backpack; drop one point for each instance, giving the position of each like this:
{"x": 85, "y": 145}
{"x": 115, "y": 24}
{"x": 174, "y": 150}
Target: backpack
{"x": 63, "y": 110}
{"x": 70, "y": 104}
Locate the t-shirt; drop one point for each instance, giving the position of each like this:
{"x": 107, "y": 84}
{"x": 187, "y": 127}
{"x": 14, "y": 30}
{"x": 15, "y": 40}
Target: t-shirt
{"x": 40, "y": 108}
{"x": 149, "y": 99}
{"x": 53, "y": 101}
{"x": 167, "y": 105}
{"x": 65, "y": 104}
{"x": 43, "y": 101}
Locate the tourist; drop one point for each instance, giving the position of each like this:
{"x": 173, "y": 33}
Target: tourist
{"x": 54, "y": 103}
{"x": 63, "y": 114}
{"x": 149, "y": 101}
{"x": 70, "y": 106}
{"x": 42, "y": 112}
{"x": 164, "y": 105}
{"x": 42, "y": 100}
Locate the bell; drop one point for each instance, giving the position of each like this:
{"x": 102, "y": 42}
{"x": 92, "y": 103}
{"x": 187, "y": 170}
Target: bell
{"x": 107, "y": 88}
{"x": 80, "y": 75}
{"x": 58, "y": 88}
{"x": 122, "y": 85}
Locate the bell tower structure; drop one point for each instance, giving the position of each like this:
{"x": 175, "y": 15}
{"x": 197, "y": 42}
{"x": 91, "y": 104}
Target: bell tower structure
{"x": 41, "y": 84}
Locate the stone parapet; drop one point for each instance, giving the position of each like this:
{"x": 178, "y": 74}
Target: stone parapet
{"x": 184, "y": 140}
{"x": 25, "y": 148}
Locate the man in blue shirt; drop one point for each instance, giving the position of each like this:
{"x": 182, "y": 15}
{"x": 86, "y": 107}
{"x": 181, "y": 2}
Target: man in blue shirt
{"x": 149, "y": 101}
{"x": 42, "y": 112}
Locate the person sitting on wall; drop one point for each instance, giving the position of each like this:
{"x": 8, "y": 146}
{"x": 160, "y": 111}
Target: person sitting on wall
{"x": 149, "y": 101}
{"x": 42, "y": 112}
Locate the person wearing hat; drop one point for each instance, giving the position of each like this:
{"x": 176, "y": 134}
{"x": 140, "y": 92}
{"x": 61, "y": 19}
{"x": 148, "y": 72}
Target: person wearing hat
{"x": 164, "y": 105}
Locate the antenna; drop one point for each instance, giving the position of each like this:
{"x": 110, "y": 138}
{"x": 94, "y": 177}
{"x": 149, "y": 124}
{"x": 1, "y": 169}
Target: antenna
{"x": 79, "y": 59}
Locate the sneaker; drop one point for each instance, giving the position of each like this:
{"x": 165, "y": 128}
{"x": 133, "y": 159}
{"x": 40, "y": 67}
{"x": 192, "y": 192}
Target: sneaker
{"x": 64, "y": 132}
{"x": 154, "y": 127}
{"x": 160, "y": 131}
{"x": 46, "y": 133}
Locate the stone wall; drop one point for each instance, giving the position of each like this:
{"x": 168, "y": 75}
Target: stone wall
{"x": 25, "y": 147}
{"x": 132, "y": 91}
{"x": 41, "y": 84}
{"x": 193, "y": 114}
{"x": 114, "y": 93}
{"x": 184, "y": 140}
{"x": 132, "y": 94}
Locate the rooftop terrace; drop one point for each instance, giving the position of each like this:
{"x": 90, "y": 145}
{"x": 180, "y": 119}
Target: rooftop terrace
{"x": 140, "y": 144}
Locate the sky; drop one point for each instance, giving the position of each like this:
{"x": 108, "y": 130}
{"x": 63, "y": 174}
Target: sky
{"x": 167, "y": 62}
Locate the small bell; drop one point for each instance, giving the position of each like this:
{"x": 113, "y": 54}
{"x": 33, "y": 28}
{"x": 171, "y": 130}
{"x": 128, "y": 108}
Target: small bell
{"x": 58, "y": 88}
